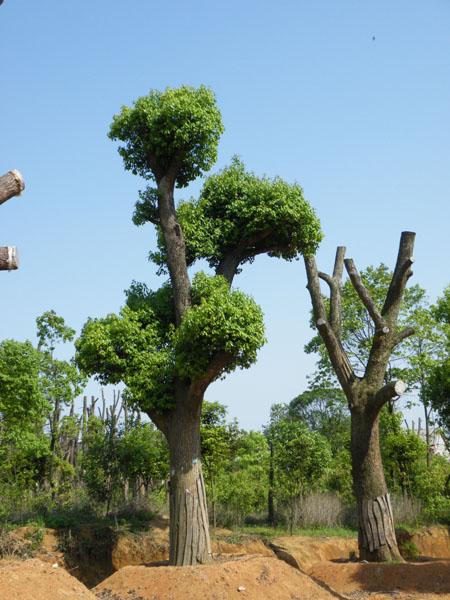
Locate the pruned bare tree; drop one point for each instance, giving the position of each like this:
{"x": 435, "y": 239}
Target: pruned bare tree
{"x": 367, "y": 394}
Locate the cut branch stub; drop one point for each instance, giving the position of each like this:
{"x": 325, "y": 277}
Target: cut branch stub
{"x": 9, "y": 258}
{"x": 391, "y": 390}
{"x": 402, "y": 272}
{"x": 11, "y": 184}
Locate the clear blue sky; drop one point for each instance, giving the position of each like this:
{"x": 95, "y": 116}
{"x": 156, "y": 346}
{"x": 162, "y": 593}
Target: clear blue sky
{"x": 306, "y": 93}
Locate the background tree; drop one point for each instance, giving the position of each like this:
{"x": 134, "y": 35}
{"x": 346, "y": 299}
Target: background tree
{"x": 143, "y": 458}
{"x": 438, "y": 384}
{"x": 242, "y": 485}
{"x": 366, "y": 394}
{"x": 300, "y": 458}
{"x": 23, "y": 410}
{"x": 169, "y": 345}
{"x": 61, "y": 383}
{"x": 218, "y": 444}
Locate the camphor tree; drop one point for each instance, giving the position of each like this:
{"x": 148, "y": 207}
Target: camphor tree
{"x": 168, "y": 346}
{"x": 368, "y": 393}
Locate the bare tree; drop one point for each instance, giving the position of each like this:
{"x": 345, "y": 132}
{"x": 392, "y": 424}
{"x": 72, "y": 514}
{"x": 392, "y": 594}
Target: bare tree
{"x": 367, "y": 394}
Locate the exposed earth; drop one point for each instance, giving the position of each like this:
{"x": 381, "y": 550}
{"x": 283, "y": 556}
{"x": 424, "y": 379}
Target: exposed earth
{"x": 132, "y": 567}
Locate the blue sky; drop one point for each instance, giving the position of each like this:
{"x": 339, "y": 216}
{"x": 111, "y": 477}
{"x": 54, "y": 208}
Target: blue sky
{"x": 306, "y": 93}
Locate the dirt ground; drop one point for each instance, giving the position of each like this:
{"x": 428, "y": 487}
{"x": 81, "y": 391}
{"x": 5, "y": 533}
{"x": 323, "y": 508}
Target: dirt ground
{"x": 256, "y": 578}
{"x": 426, "y": 580}
{"x": 302, "y": 568}
{"x": 36, "y": 580}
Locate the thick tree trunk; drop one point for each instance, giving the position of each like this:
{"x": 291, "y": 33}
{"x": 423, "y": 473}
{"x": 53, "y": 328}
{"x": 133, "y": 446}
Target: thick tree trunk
{"x": 189, "y": 528}
{"x": 11, "y": 184}
{"x": 376, "y": 533}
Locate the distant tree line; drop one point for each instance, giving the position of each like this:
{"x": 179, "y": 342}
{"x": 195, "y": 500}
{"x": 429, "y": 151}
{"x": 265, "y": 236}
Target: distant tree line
{"x": 60, "y": 450}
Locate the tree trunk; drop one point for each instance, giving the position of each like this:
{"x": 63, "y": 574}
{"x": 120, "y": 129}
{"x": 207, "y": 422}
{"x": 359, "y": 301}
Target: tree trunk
{"x": 189, "y": 528}
{"x": 376, "y": 533}
{"x": 11, "y": 184}
{"x": 175, "y": 247}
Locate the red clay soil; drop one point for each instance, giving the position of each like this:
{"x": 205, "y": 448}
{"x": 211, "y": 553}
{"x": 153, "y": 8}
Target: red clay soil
{"x": 302, "y": 552}
{"x": 430, "y": 542}
{"x": 140, "y": 549}
{"x": 399, "y": 580}
{"x": 35, "y": 580}
{"x": 252, "y": 578}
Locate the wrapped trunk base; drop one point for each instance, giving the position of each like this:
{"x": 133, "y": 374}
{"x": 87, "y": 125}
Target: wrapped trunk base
{"x": 377, "y": 539}
{"x": 189, "y": 528}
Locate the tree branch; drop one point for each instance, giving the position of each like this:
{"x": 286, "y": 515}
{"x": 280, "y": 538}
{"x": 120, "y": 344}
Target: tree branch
{"x": 326, "y": 278}
{"x": 314, "y": 288}
{"x": 11, "y": 184}
{"x": 365, "y": 296}
{"x": 218, "y": 363}
{"x": 339, "y": 263}
{"x": 391, "y": 390}
{"x": 403, "y": 334}
{"x": 401, "y": 274}
{"x": 338, "y": 357}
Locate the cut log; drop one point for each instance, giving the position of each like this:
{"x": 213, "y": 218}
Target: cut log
{"x": 9, "y": 258}
{"x": 11, "y": 184}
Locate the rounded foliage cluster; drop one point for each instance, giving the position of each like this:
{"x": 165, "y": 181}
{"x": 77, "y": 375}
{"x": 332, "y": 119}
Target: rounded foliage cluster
{"x": 220, "y": 320}
{"x": 177, "y": 129}
{"x": 142, "y": 348}
{"x": 252, "y": 214}
{"x": 241, "y": 214}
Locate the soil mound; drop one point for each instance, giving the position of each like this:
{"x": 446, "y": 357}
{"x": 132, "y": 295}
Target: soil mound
{"x": 255, "y": 578}
{"x": 36, "y": 580}
{"x": 431, "y": 542}
{"x": 303, "y": 552}
{"x": 153, "y": 546}
{"x": 395, "y": 580}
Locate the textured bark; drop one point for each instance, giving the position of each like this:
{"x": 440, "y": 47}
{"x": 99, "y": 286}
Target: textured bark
{"x": 175, "y": 247}
{"x": 11, "y": 184}
{"x": 189, "y": 527}
{"x": 9, "y": 259}
{"x": 368, "y": 394}
{"x": 376, "y": 533}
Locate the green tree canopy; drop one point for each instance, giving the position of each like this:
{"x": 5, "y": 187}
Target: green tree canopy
{"x": 177, "y": 129}
{"x": 142, "y": 347}
{"x": 237, "y": 216}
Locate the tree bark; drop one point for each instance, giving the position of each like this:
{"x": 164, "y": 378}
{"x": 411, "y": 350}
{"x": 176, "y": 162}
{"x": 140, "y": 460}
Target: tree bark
{"x": 175, "y": 247}
{"x": 189, "y": 526}
{"x": 11, "y": 184}
{"x": 376, "y": 533}
{"x": 9, "y": 259}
